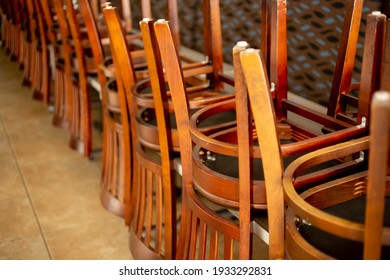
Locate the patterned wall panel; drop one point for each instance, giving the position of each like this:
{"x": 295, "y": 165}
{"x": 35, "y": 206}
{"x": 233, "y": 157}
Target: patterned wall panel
{"x": 314, "y": 29}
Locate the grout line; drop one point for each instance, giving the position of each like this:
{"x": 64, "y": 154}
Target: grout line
{"x": 25, "y": 186}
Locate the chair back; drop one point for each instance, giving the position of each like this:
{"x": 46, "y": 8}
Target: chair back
{"x": 203, "y": 233}
{"x": 153, "y": 200}
{"x": 260, "y": 108}
{"x": 42, "y": 87}
{"x": 125, "y": 82}
{"x": 89, "y": 19}
{"x": 377, "y": 176}
{"x": 378, "y": 157}
{"x": 48, "y": 16}
{"x": 80, "y": 120}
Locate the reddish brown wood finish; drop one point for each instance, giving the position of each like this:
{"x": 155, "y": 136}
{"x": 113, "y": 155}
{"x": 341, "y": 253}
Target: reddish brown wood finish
{"x": 302, "y": 138}
{"x": 62, "y": 79}
{"x": 114, "y": 177}
{"x": 80, "y": 117}
{"x": 153, "y": 203}
{"x": 309, "y": 206}
{"x": 203, "y": 234}
{"x": 41, "y": 84}
{"x": 149, "y": 173}
{"x": 264, "y": 115}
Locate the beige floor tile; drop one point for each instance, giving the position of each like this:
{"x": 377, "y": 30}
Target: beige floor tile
{"x": 63, "y": 195}
{"x": 34, "y": 138}
{"x": 36, "y": 141}
{"x": 11, "y": 85}
{"x": 9, "y": 69}
{"x": 5, "y": 149}
{"x": 6, "y": 155}
{"x": 37, "y": 150}
{"x": 16, "y": 218}
{"x": 62, "y": 209}
{"x": 65, "y": 172}
{"x": 104, "y": 239}
{"x": 11, "y": 184}
{"x": 11, "y": 98}
{"x": 25, "y": 111}
{"x": 30, "y": 247}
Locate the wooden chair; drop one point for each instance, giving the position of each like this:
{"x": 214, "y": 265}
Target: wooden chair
{"x": 115, "y": 178}
{"x": 82, "y": 64}
{"x": 15, "y": 25}
{"x": 28, "y": 45}
{"x": 220, "y": 187}
{"x": 133, "y": 154}
{"x": 36, "y": 49}
{"x": 112, "y": 178}
{"x": 3, "y": 11}
{"x": 211, "y": 151}
{"x": 203, "y": 233}
{"x": 272, "y": 158}
{"x": 71, "y": 93}
{"x": 23, "y": 34}
{"x": 331, "y": 207}
{"x": 352, "y": 213}
{"x": 3, "y": 21}
{"x": 211, "y": 66}
{"x": 343, "y": 101}
{"x": 7, "y": 18}
{"x": 29, "y": 23}
{"x": 264, "y": 135}
{"x": 210, "y": 179}
{"x": 199, "y": 92}
{"x": 155, "y": 170}
{"x": 42, "y": 79}
{"x": 146, "y": 122}
{"x": 62, "y": 76}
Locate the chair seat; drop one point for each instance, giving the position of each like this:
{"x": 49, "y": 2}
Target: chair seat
{"x": 148, "y": 131}
{"x": 341, "y": 248}
{"x": 214, "y": 171}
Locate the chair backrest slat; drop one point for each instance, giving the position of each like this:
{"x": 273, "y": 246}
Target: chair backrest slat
{"x": 377, "y": 175}
{"x": 372, "y": 62}
{"x": 263, "y": 112}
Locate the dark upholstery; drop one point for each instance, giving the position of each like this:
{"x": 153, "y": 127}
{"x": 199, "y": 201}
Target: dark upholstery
{"x": 341, "y": 248}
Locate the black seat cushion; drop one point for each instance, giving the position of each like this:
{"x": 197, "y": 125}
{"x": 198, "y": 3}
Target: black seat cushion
{"x": 148, "y": 116}
{"x": 341, "y": 248}
{"x": 228, "y": 165}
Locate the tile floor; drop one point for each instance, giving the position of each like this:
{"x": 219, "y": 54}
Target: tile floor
{"x": 49, "y": 194}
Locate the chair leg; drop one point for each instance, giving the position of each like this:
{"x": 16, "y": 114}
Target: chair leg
{"x": 60, "y": 115}
{"x": 80, "y": 121}
{"x": 46, "y": 78}
{"x": 22, "y": 49}
{"x": 74, "y": 119}
{"x": 26, "y": 80}
{"x": 37, "y": 75}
